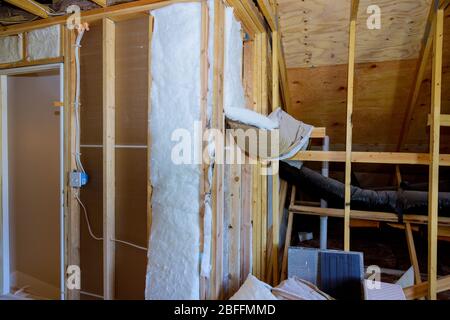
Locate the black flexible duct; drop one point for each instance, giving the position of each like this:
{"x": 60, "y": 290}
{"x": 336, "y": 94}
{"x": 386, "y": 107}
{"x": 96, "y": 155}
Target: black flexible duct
{"x": 400, "y": 202}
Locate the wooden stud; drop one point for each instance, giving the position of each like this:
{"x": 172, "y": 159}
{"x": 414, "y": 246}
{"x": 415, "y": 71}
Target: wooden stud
{"x": 275, "y": 164}
{"x": 424, "y": 58}
{"x": 30, "y": 6}
{"x": 234, "y": 266}
{"x": 287, "y": 242}
{"x": 434, "y": 153}
{"x": 420, "y": 290}
{"x": 108, "y": 159}
{"x": 218, "y": 178}
{"x": 371, "y": 157}
{"x": 263, "y": 189}
{"x": 72, "y": 207}
{"x": 101, "y": 3}
{"x": 412, "y": 252}
{"x": 349, "y": 138}
{"x": 269, "y": 14}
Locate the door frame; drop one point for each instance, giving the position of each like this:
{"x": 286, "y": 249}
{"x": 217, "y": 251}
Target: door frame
{"x": 5, "y": 272}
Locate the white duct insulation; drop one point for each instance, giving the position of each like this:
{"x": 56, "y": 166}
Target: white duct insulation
{"x": 11, "y": 49}
{"x": 173, "y": 257}
{"x": 44, "y": 43}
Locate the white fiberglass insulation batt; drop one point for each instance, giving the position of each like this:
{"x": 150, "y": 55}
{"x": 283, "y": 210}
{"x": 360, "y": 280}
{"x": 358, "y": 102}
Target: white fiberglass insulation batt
{"x": 11, "y": 49}
{"x": 174, "y": 245}
{"x": 44, "y": 43}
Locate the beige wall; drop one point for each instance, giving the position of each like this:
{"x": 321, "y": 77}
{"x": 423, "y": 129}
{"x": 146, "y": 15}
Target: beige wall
{"x": 33, "y": 136}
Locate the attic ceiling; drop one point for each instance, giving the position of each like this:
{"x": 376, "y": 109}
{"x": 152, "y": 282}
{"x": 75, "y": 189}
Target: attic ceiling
{"x": 315, "y": 32}
{"x": 315, "y": 40}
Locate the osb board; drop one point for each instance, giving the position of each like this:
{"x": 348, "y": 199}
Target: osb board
{"x": 91, "y": 253}
{"x": 132, "y": 81}
{"x": 316, "y": 32}
{"x": 131, "y": 222}
{"x": 91, "y": 60}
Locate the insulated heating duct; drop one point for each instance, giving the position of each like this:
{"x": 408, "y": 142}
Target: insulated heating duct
{"x": 400, "y": 202}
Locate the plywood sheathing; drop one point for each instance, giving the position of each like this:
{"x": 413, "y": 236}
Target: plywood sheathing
{"x": 315, "y": 33}
{"x": 381, "y": 96}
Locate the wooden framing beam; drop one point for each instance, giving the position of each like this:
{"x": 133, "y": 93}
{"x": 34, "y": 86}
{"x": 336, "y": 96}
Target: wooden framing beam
{"x": 365, "y": 215}
{"x": 72, "y": 220}
{"x": 108, "y": 158}
{"x": 30, "y": 6}
{"x": 269, "y": 13}
{"x": 372, "y": 157}
{"x": 424, "y": 58}
{"x": 118, "y": 11}
{"x": 216, "y": 287}
{"x": 101, "y": 3}
{"x": 420, "y": 290}
{"x": 433, "y": 201}
{"x": 349, "y": 122}
{"x": 445, "y": 120}
{"x": 249, "y": 15}
{"x": 412, "y": 252}
{"x": 275, "y": 165}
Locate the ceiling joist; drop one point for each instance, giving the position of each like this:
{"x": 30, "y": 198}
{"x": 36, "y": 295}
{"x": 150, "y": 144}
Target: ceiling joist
{"x": 30, "y": 6}
{"x": 101, "y": 3}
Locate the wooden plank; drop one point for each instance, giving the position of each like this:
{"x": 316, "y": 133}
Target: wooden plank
{"x": 149, "y": 137}
{"x": 101, "y": 3}
{"x": 349, "y": 122}
{"x": 433, "y": 199}
{"x": 365, "y": 215}
{"x": 249, "y": 15}
{"x": 287, "y": 242}
{"x": 372, "y": 157}
{"x": 286, "y": 94}
{"x": 234, "y": 267}
{"x": 445, "y": 120}
{"x": 30, "y": 6}
{"x": 412, "y": 253}
{"x": 218, "y": 178}
{"x": 113, "y": 12}
{"x": 264, "y": 184}
{"x": 275, "y": 164}
{"x": 319, "y": 133}
{"x": 269, "y": 14}
{"x": 422, "y": 65}
{"x": 108, "y": 159}
{"x": 72, "y": 219}
{"x": 420, "y": 291}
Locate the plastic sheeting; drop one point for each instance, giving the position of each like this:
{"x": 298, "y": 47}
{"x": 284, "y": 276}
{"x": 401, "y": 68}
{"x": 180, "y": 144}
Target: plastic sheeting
{"x": 174, "y": 246}
{"x": 11, "y": 49}
{"x": 44, "y": 43}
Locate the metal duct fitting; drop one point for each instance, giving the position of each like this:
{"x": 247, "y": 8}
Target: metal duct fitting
{"x": 400, "y": 202}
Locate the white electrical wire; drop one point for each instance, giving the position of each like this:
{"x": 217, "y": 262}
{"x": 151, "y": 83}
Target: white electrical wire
{"x": 77, "y": 101}
{"x": 93, "y": 236}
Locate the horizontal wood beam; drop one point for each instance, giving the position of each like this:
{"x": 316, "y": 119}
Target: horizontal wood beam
{"x": 30, "y": 6}
{"x": 421, "y": 290}
{"x": 319, "y": 133}
{"x": 445, "y": 120}
{"x": 101, "y": 3}
{"x": 111, "y": 12}
{"x": 365, "y": 215}
{"x": 372, "y": 157}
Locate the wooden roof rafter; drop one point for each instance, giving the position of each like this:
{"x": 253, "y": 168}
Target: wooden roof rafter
{"x": 424, "y": 59}
{"x": 101, "y": 3}
{"x": 30, "y": 6}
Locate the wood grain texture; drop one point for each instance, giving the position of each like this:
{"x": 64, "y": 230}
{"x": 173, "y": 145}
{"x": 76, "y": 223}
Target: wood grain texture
{"x": 315, "y": 33}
